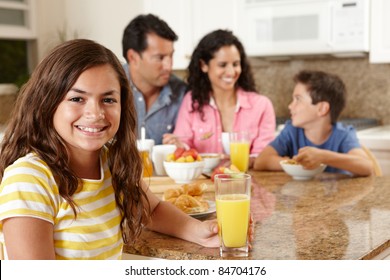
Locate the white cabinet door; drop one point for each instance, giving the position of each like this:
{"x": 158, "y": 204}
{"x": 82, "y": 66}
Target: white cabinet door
{"x": 209, "y": 15}
{"x": 17, "y": 19}
{"x": 380, "y": 31}
{"x": 177, "y": 13}
{"x": 191, "y": 20}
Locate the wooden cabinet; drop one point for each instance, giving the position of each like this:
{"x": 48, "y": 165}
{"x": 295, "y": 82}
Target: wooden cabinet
{"x": 380, "y": 31}
{"x": 191, "y": 20}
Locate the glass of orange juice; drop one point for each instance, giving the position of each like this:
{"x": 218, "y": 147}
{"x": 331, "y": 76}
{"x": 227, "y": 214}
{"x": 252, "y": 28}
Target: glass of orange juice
{"x": 232, "y": 195}
{"x": 239, "y": 149}
{"x": 147, "y": 163}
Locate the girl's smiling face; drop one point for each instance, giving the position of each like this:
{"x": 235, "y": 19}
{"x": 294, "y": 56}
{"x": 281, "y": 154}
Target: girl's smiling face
{"x": 89, "y": 115}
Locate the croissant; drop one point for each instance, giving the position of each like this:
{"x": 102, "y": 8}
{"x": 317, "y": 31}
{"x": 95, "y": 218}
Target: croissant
{"x": 194, "y": 189}
{"x": 171, "y": 194}
{"x": 189, "y": 204}
{"x": 188, "y": 198}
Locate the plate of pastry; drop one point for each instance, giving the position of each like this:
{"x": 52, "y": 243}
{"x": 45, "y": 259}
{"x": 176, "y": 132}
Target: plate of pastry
{"x": 189, "y": 199}
{"x": 209, "y": 211}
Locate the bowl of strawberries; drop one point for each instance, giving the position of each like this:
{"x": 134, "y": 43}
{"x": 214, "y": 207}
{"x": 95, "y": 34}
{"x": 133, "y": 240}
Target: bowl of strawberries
{"x": 184, "y": 166}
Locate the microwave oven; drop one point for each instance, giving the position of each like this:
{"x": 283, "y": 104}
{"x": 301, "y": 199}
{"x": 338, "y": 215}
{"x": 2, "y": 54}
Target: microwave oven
{"x": 304, "y": 27}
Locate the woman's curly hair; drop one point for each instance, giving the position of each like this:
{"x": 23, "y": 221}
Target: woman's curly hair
{"x": 198, "y": 81}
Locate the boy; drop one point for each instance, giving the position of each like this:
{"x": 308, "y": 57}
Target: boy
{"x": 313, "y": 136}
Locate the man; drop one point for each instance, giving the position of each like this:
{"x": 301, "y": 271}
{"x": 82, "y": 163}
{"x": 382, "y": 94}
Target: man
{"x": 148, "y": 49}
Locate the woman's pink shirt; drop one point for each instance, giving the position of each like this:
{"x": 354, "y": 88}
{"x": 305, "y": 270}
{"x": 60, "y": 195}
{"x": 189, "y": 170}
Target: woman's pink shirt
{"x": 254, "y": 113}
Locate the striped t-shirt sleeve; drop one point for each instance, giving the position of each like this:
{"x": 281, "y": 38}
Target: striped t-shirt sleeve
{"x": 28, "y": 189}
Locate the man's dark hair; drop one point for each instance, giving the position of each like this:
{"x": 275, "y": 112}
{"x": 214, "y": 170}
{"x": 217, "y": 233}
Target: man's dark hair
{"x": 134, "y": 35}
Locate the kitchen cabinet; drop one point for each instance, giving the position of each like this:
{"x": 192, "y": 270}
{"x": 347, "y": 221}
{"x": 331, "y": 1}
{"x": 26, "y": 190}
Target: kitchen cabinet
{"x": 380, "y": 31}
{"x": 17, "y": 19}
{"x": 191, "y": 20}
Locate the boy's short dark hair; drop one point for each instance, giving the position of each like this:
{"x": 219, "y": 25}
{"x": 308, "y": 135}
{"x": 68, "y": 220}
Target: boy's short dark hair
{"x": 134, "y": 35}
{"x": 324, "y": 87}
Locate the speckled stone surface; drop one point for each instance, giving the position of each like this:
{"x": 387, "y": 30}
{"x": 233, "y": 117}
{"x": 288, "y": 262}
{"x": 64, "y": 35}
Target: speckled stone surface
{"x": 328, "y": 217}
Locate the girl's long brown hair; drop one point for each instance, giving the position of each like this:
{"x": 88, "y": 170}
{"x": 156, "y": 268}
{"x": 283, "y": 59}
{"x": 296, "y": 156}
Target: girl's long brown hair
{"x": 31, "y": 129}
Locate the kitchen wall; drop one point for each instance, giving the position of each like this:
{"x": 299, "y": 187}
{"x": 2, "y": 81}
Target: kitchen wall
{"x": 368, "y": 85}
{"x": 99, "y": 20}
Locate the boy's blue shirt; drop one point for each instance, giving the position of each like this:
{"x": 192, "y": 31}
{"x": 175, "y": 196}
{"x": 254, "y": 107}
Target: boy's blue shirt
{"x": 291, "y": 139}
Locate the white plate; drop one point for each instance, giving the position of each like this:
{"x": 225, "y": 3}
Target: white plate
{"x": 208, "y": 212}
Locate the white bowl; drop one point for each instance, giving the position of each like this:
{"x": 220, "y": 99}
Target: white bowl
{"x": 298, "y": 172}
{"x": 184, "y": 172}
{"x": 211, "y": 161}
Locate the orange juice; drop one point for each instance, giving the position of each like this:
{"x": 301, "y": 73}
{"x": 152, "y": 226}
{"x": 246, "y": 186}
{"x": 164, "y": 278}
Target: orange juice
{"x": 147, "y": 164}
{"x": 239, "y": 155}
{"x": 233, "y": 218}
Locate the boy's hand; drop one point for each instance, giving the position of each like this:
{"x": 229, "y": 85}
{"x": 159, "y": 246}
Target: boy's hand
{"x": 309, "y": 157}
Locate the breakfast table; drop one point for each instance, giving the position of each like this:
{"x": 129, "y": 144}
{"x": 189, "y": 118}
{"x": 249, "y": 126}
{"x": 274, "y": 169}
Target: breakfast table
{"x": 331, "y": 216}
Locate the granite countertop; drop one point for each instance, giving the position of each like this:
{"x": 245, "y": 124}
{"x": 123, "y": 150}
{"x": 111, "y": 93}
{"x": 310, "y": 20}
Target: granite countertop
{"x": 329, "y": 217}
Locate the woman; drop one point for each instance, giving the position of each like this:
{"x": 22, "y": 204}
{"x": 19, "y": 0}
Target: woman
{"x": 222, "y": 98}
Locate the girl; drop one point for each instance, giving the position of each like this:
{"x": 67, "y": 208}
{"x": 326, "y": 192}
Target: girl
{"x": 69, "y": 167}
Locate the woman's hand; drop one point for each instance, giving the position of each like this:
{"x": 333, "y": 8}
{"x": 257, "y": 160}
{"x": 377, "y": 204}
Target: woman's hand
{"x": 169, "y": 138}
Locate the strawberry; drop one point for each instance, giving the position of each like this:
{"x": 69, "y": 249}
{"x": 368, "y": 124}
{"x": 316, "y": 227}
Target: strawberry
{"x": 190, "y": 152}
{"x": 217, "y": 170}
{"x": 224, "y": 170}
{"x": 178, "y": 153}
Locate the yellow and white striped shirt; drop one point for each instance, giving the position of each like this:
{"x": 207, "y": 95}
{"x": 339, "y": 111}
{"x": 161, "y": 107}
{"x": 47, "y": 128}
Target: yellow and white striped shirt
{"x": 28, "y": 189}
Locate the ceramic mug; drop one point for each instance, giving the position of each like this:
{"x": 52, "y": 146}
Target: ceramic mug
{"x": 159, "y": 154}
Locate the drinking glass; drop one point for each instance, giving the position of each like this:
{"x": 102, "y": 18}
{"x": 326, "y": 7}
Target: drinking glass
{"x": 146, "y": 144}
{"x": 145, "y": 147}
{"x": 147, "y": 163}
{"x": 239, "y": 149}
{"x": 232, "y": 196}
